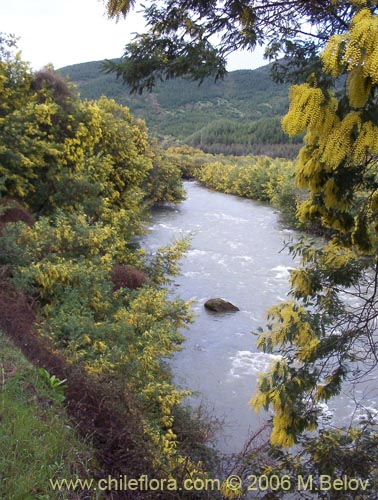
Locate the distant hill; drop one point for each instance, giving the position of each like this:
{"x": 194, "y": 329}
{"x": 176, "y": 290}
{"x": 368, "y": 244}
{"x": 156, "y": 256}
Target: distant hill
{"x": 239, "y": 115}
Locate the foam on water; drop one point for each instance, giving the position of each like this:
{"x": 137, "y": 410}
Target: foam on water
{"x": 246, "y": 363}
{"x": 282, "y": 272}
{"x": 195, "y": 274}
{"x": 281, "y": 299}
{"x": 243, "y": 258}
{"x": 197, "y": 253}
{"x": 327, "y": 412}
{"x": 368, "y": 412}
{"x": 233, "y": 244}
{"x": 227, "y": 217}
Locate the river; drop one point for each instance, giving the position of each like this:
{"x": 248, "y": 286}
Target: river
{"x": 236, "y": 253}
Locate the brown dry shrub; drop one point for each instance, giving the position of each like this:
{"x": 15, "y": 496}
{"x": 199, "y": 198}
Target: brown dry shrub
{"x": 125, "y": 276}
{"x": 46, "y": 81}
{"x": 14, "y": 212}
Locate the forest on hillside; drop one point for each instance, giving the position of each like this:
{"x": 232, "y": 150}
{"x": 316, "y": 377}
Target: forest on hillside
{"x": 239, "y": 115}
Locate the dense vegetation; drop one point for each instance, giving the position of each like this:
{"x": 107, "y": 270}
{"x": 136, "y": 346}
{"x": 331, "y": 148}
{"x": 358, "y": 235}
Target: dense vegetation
{"x": 76, "y": 179}
{"x": 239, "y": 115}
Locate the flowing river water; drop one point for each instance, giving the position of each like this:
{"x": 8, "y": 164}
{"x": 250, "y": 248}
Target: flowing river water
{"x": 236, "y": 253}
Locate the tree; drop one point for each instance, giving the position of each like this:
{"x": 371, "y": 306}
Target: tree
{"x": 327, "y": 333}
{"x": 15, "y": 76}
{"x": 193, "y": 38}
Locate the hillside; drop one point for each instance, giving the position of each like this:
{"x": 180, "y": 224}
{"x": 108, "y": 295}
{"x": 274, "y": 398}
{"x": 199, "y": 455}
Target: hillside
{"x": 238, "y": 115}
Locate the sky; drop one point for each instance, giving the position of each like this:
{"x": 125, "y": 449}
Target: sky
{"x": 65, "y": 32}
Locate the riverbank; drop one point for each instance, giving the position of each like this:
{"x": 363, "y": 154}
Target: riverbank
{"x": 258, "y": 178}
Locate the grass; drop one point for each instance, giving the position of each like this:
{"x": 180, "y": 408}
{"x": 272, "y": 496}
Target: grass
{"x": 36, "y": 438}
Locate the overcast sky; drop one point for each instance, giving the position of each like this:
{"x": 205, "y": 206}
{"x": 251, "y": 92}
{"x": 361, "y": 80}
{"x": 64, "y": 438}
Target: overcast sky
{"x": 64, "y": 32}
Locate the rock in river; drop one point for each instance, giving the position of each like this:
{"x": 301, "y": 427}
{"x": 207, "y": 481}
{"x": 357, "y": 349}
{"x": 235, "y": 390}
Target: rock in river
{"x": 220, "y": 305}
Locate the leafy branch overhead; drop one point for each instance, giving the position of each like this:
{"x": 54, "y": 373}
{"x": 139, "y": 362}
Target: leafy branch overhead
{"x": 193, "y": 38}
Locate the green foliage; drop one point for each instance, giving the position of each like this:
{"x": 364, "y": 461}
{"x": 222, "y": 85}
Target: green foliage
{"x": 232, "y": 137}
{"x": 153, "y": 65}
{"x": 57, "y": 151}
{"x": 94, "y": 148}
{"x": 324, "y": 340}
{"x": 15, "y": 77}
{"x": 335, "y": 464}
{"x": 118, "y": 8}
{"x": 54, "y": 383}
{"x": 339, "y": 160}
{"x": 165, "y": 261}
{"x": 164, "y": 181}
{"x": 189, "y": 160}
{"x": 119, "y": 335}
